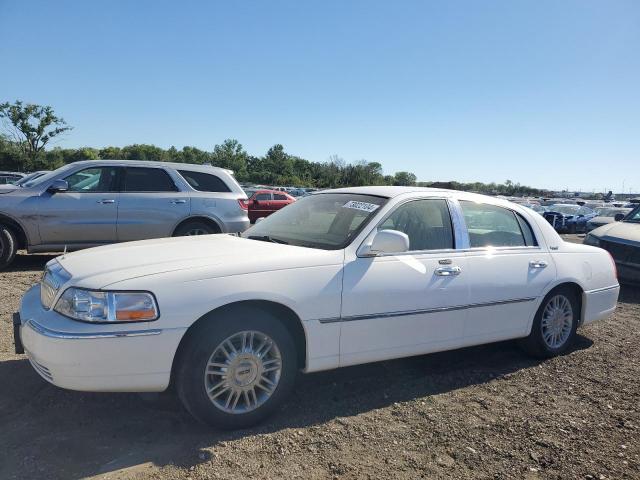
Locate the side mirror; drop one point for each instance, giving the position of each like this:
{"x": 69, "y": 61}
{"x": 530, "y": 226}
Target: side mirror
{"x": 255, "y": 201}
{"x": 385, "y": 241}
{"x": 619, "y": 216}
{"x": 58, "y": 186}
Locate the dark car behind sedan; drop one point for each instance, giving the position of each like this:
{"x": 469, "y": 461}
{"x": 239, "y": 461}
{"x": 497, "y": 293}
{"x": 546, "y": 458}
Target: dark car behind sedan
{"x": 622, "y": 241}
{"x": 568, "y": 218}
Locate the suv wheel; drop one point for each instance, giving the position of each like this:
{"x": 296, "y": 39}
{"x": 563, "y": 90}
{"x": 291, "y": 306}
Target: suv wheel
{"x": 195, "y": 227}
{"x": 236, "y": 370}
{"x": 8, "y": 246}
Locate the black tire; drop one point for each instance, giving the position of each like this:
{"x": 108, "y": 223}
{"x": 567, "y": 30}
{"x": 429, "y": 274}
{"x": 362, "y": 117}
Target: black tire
{"x": 8, "y": 246}
{"x": 573, "y": 228}
{"x": 201, "y": 344}
{"x": 195, "y": 227}
{"x": 535, "y": 343}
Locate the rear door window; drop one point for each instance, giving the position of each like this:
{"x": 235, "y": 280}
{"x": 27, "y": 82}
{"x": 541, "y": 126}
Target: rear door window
{"x": 141, "y": 179}
{"x": 493, "y": 226}
{"x": 279, "y": 196}
{"x": 204, "y": 182}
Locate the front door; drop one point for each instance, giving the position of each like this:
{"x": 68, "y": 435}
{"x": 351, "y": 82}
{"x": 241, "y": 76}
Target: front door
{"x": 260, "y": 205}
{"x": 410, "y": 303}
{"x": 84, "y": 215}
{"x": 150, "y": 204}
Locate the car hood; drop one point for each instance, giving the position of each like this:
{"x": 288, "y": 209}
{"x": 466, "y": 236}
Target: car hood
{"x": 8, "y": 188}
{"x": 206, "y": 256}
{"x": 602, "y": 220}
{"x": 621, "y": 232}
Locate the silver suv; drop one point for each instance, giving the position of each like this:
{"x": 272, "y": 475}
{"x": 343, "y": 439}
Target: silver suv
{"x": 96, "y": 202}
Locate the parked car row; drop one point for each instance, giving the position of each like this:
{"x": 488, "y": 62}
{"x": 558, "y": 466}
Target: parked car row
{"x": 338, "y": 278}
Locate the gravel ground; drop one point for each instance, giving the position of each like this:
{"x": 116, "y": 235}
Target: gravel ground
{"x": 484, "y": 412}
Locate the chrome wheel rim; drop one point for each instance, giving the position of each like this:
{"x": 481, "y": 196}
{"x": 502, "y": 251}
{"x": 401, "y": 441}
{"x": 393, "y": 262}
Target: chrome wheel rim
{"x": 557, "y": 321}
{"x": 196, "y": 231}
{"x": 243, "y": 372}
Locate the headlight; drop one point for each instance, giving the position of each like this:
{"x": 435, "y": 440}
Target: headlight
{"x": 592, "y": 240}
{"x": 101, "y": 306}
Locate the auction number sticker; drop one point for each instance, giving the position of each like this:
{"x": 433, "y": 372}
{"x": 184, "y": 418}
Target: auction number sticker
{"x": 364, "y": 206}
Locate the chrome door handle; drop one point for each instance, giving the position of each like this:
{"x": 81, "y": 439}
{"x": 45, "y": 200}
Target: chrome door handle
{"x": 448, "y": 271}
{"x": 178, "y": 201}
{"x": 538, "y": 264}
{"x": 106, "y": 200}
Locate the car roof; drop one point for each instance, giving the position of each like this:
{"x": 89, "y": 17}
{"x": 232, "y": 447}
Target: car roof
{"x": 192, "y": 167}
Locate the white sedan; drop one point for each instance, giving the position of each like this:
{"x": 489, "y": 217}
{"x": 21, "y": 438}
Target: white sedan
{"x": 341, "y": 277}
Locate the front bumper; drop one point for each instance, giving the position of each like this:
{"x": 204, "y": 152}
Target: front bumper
{"x": 92, "y": 357}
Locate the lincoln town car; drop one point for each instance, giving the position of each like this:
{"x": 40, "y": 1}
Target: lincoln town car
{"x": 340, "y": 277}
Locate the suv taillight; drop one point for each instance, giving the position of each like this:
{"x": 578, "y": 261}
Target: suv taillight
{"x": 244, "y": 204}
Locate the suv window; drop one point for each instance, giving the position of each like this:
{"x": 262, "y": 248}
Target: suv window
{"x": 140, "y": 179}
{"x": 426, "y": 222}
{"x": 95, "y": 179}
{"x": 204, "y": 182}
{"x": 263, "y": 196}
{"x": 493, "y": 226}
{"x": 279, "y": 196}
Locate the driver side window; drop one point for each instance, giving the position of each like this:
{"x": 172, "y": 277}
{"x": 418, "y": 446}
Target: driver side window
{"x": 427, "y": 223}
{"x": 97, "y": 179}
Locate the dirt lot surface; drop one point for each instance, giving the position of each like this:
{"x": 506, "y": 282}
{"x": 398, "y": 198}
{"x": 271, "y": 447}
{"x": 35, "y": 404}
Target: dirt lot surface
{"x": 485, "y": 412}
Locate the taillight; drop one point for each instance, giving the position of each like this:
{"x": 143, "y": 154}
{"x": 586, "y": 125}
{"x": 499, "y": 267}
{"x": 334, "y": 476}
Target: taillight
{"x": 615, "y": 267}
{"x": 244, "y": 204}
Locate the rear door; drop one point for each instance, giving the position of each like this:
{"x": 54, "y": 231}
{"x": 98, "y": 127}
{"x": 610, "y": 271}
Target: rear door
{"x": 86, "y": 214}
{"x": 280, "y": 200}
{"x": 151, "y": 205}
{"x": 508, "y": 269}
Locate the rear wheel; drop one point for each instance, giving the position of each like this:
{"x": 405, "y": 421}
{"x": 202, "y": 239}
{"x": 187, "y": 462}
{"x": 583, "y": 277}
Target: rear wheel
{"x": 8, "y": 246}
{"x": 196, "y": 227}
{"x": 236, "y": 370}
{"x": 555, "y": 324}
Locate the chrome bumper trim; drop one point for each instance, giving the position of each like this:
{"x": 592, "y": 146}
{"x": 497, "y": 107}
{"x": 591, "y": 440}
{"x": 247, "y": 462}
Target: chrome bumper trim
{"x": 597, "y": 290}
{"x": 47, "y": 332}
{"x": 404, "y": 313}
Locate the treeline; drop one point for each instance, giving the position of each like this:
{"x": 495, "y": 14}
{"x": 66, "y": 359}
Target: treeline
{"x": 30, "y": 128}
{"x": 276, "y": 167}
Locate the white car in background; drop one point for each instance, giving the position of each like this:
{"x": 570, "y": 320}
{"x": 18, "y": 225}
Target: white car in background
{"x": 339, "y": 278}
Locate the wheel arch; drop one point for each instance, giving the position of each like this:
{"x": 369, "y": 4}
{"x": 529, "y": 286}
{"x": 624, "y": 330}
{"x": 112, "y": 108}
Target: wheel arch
{"x": 17, "y": 228}
{"x": 567, "y": 283}
{"x": 199, "y": 218}
{"x": 283, "y": 313}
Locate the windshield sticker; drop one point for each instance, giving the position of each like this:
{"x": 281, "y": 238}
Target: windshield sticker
{"x": 365, "y": 207}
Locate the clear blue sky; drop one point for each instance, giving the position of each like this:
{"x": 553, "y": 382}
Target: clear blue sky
{"x": 546, "y": 93}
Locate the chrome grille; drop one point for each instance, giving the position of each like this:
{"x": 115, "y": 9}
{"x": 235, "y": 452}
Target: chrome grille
{"x": 54, "y": 277}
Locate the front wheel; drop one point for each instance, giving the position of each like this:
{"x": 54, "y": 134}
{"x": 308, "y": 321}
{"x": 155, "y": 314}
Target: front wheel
{"x": 8, "y": 246}
{"x": 555, "y": 324}
{"x": 236, "y": 370}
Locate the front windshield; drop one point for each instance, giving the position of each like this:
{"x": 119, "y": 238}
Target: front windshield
{"x": 634, "y": 216}
{"x": 328, "y": 221}
{"x": 46, "y": 176}
{"x": 565, "y": 209}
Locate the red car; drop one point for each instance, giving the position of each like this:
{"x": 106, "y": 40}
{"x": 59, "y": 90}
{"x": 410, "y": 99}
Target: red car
{"x": 264, "y": 202}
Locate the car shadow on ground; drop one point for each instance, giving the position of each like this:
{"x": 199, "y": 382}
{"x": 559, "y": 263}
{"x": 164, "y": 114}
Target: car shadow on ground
{"x": 111, "y": 432}
{"x": 24, "y": 262}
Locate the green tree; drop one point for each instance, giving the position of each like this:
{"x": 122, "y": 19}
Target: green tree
{"x": 231, "y": 155}
{"x": 404, "y": 179}
{"x": 32, "y": 126}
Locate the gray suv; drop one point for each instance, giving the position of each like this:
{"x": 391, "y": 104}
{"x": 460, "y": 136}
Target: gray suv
{"x": 96, "y": 202}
